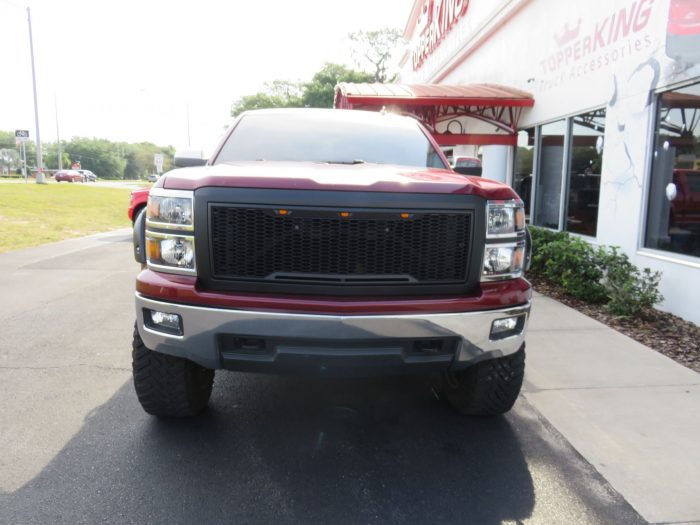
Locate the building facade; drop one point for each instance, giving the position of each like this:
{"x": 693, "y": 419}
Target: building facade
{"x": 610, "y": 150}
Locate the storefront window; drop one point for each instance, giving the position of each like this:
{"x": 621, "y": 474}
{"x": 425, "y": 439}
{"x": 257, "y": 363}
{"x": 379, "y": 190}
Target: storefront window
{"x": 584, "y": 172}
{"x": 548, "y": 192}
{"x": 673, "y": 218}
{"x": 524, "y": 164}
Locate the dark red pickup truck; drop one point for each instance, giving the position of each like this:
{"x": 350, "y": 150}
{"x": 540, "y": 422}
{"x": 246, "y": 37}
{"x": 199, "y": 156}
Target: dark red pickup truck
{"x": 330, "y": 242}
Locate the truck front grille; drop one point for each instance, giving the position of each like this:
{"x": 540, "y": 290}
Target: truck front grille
{"x": 318, "y": 245}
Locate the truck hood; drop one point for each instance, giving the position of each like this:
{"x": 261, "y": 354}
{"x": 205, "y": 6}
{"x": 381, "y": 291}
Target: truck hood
{"x": 323, "y": 176}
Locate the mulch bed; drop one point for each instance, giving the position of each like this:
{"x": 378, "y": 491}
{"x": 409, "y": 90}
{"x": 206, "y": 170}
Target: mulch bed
{"x": 661, "y": 331}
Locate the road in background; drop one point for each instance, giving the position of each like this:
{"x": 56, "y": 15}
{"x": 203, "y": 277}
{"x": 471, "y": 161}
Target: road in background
{"x": 77, "y": 448}
{"x": 130, "y": 184}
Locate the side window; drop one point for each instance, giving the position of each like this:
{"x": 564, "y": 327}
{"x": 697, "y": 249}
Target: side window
{"x": 673, "y": 214}
{"x": 524, "y": 167}
{"x": 585, "y": 163}
{"x": 568, "y": 167}
{"x": 549, "y": 174}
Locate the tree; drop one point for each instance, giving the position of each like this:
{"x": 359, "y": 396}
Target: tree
{"x": 315, "y": 94}
{"x": 10, "y": 152}
{"x": 278, "y": 94}
{"x": 320, "y": 91}
{"x": 51, "y": 156}
{"x": 376, "y": 48}
{"x": 109, "y": 160}
{"x": 106, "y": 159}
{"x": 7, "y": 140}
{"x": 140, "y": 157}
{"x": 9, "y": 160}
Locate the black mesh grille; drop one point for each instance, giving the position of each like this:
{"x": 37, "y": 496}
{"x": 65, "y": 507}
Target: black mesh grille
{"x": 320, "y": 246}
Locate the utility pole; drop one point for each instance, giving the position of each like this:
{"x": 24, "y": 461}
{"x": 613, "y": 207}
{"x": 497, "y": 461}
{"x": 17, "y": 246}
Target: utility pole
{"x": 58, "y": 135}
{"x": 39, "y": 165}
{"x": 189, "y": 144}
{"x": 24, "y": 160}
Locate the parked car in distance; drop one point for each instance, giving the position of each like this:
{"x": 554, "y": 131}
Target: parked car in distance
{"x": 89, "y": 176}
{"x": 152, "y": 177}
{"x": 69, "y": 176}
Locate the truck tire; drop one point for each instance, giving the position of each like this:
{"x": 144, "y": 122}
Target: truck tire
{"x": 488, "y": 388}
{"x": 169, "y": 386}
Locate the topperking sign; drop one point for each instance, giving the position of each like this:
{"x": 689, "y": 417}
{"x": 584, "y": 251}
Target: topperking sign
{"x": 436, "y": 19}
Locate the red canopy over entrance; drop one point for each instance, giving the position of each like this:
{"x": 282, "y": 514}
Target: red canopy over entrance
{"x": 434, "y": 104}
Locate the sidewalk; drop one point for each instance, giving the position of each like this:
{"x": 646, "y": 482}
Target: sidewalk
{"x": 633, "y": 413}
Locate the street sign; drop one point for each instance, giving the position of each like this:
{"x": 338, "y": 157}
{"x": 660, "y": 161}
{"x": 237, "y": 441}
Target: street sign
{"x": 22, "y": 135}
{"x": 158, "y": 161}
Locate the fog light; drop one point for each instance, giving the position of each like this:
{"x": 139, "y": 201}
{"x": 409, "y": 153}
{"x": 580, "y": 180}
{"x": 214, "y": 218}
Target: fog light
{"x": 508, "y": 327}
{"x": 163, "y": 322}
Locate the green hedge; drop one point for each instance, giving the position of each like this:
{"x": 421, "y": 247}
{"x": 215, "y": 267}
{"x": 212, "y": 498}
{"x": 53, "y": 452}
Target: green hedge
{"x": 596, "y": 274}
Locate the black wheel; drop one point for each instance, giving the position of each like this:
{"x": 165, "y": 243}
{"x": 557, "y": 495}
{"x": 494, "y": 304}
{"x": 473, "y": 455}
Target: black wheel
{"x": 169, "y": 386}
{"x": 489, "y": 388}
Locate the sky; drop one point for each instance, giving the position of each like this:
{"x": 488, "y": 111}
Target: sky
{"x": 135, "y": 70}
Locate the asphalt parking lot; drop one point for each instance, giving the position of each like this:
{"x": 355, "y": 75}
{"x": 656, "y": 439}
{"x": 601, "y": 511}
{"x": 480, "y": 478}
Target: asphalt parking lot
{"x": 79, "y": 449}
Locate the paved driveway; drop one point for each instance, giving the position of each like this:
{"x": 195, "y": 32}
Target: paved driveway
{"x": 77, "y": 448}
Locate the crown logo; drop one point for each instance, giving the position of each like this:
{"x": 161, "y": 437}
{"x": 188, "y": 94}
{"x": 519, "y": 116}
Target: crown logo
{"x": 568, "y": 34}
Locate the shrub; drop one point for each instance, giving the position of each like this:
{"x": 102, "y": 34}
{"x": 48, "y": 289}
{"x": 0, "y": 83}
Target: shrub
{"x": 542, "y": 237}
{"x": 594, "y": 274}
{"x": 630, "y": 292}
{"x": 571, "y": 263}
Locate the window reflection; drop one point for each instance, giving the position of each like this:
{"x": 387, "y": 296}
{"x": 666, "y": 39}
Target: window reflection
{"x": 584, "y": 172}
{"x": 522, "y": 172}
{"x": 673, "y": 219}
{"x": 548, "y": 196}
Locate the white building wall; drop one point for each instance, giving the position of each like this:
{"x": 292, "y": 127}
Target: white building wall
{"x": 574, "y": 57}
{"x": 495, "y": 163}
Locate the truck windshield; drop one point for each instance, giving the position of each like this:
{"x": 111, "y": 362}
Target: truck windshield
{"x": 316, "y": 137}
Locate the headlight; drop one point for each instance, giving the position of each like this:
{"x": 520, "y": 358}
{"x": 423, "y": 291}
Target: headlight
{"x": 505, "y": 219}
{"x": 170, "y": 251}
{"x": 170, "y": 209}
{"x": 169, "y": 231}
{"x": 503, "y": 261}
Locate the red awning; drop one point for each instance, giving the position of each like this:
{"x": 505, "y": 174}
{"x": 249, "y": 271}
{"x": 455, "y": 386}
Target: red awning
{"x": 673, "y": 99}
{"x": 437, "y": 103}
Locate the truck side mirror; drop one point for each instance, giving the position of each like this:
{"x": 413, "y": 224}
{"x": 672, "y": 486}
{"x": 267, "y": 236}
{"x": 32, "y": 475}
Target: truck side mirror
{"x": 469, "y": 170}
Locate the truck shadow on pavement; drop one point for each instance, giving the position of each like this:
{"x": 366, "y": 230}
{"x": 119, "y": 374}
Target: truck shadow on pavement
{"x": 289, "y": 450}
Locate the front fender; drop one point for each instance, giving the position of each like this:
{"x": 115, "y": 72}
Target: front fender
{"x": 139, "y": 237}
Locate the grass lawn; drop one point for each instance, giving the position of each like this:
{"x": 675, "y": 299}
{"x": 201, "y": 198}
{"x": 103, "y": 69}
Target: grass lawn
{"x": 34, "y": 214}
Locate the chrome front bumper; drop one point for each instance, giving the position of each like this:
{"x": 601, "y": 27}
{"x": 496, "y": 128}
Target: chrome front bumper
{"x": 288, "y": 341}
